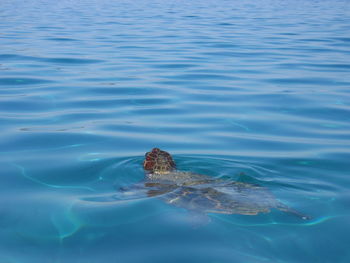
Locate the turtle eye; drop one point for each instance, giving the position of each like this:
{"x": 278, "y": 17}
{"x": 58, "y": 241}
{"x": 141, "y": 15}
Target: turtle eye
{"x": 149, "y": 165}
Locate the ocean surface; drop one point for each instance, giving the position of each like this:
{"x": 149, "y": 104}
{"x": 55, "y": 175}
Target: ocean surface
{"x": 229, "y": 88}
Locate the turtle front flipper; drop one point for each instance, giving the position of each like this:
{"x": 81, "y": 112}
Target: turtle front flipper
{"x": 159, "y": 188}
{"x": 282, "y": 207}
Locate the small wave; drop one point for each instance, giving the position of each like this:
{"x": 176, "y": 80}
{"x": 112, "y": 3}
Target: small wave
{"x": 62, "y": 39}
{"x": 19, "y": 81}
{"x": 72, "y": 61}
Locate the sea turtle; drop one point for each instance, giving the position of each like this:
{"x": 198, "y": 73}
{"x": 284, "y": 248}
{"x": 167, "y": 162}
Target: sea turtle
{"x": 203, "y": 193}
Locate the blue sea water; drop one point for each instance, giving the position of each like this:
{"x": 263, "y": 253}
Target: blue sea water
{"x": 228, "y": 87}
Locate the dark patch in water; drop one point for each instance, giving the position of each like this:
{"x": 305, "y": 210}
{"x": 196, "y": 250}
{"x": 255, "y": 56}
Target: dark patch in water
{"x": 62, "y": 39}
{"x": 72, "y": 61}
{"x": 22, "y": 81}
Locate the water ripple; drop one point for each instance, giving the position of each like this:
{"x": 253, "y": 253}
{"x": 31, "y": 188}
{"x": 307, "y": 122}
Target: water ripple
{"x": 71, "y": 61}
{"x": 22, "y": 81}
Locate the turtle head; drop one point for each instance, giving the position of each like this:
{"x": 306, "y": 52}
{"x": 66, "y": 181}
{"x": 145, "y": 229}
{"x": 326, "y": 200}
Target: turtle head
{"x": 158, "y": 162}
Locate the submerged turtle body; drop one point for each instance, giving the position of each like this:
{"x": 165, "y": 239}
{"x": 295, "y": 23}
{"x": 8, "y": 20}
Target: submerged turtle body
{"x": 203, "y": 193}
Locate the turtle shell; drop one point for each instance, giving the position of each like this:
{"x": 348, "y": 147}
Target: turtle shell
{"x": 224, "y": 198}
